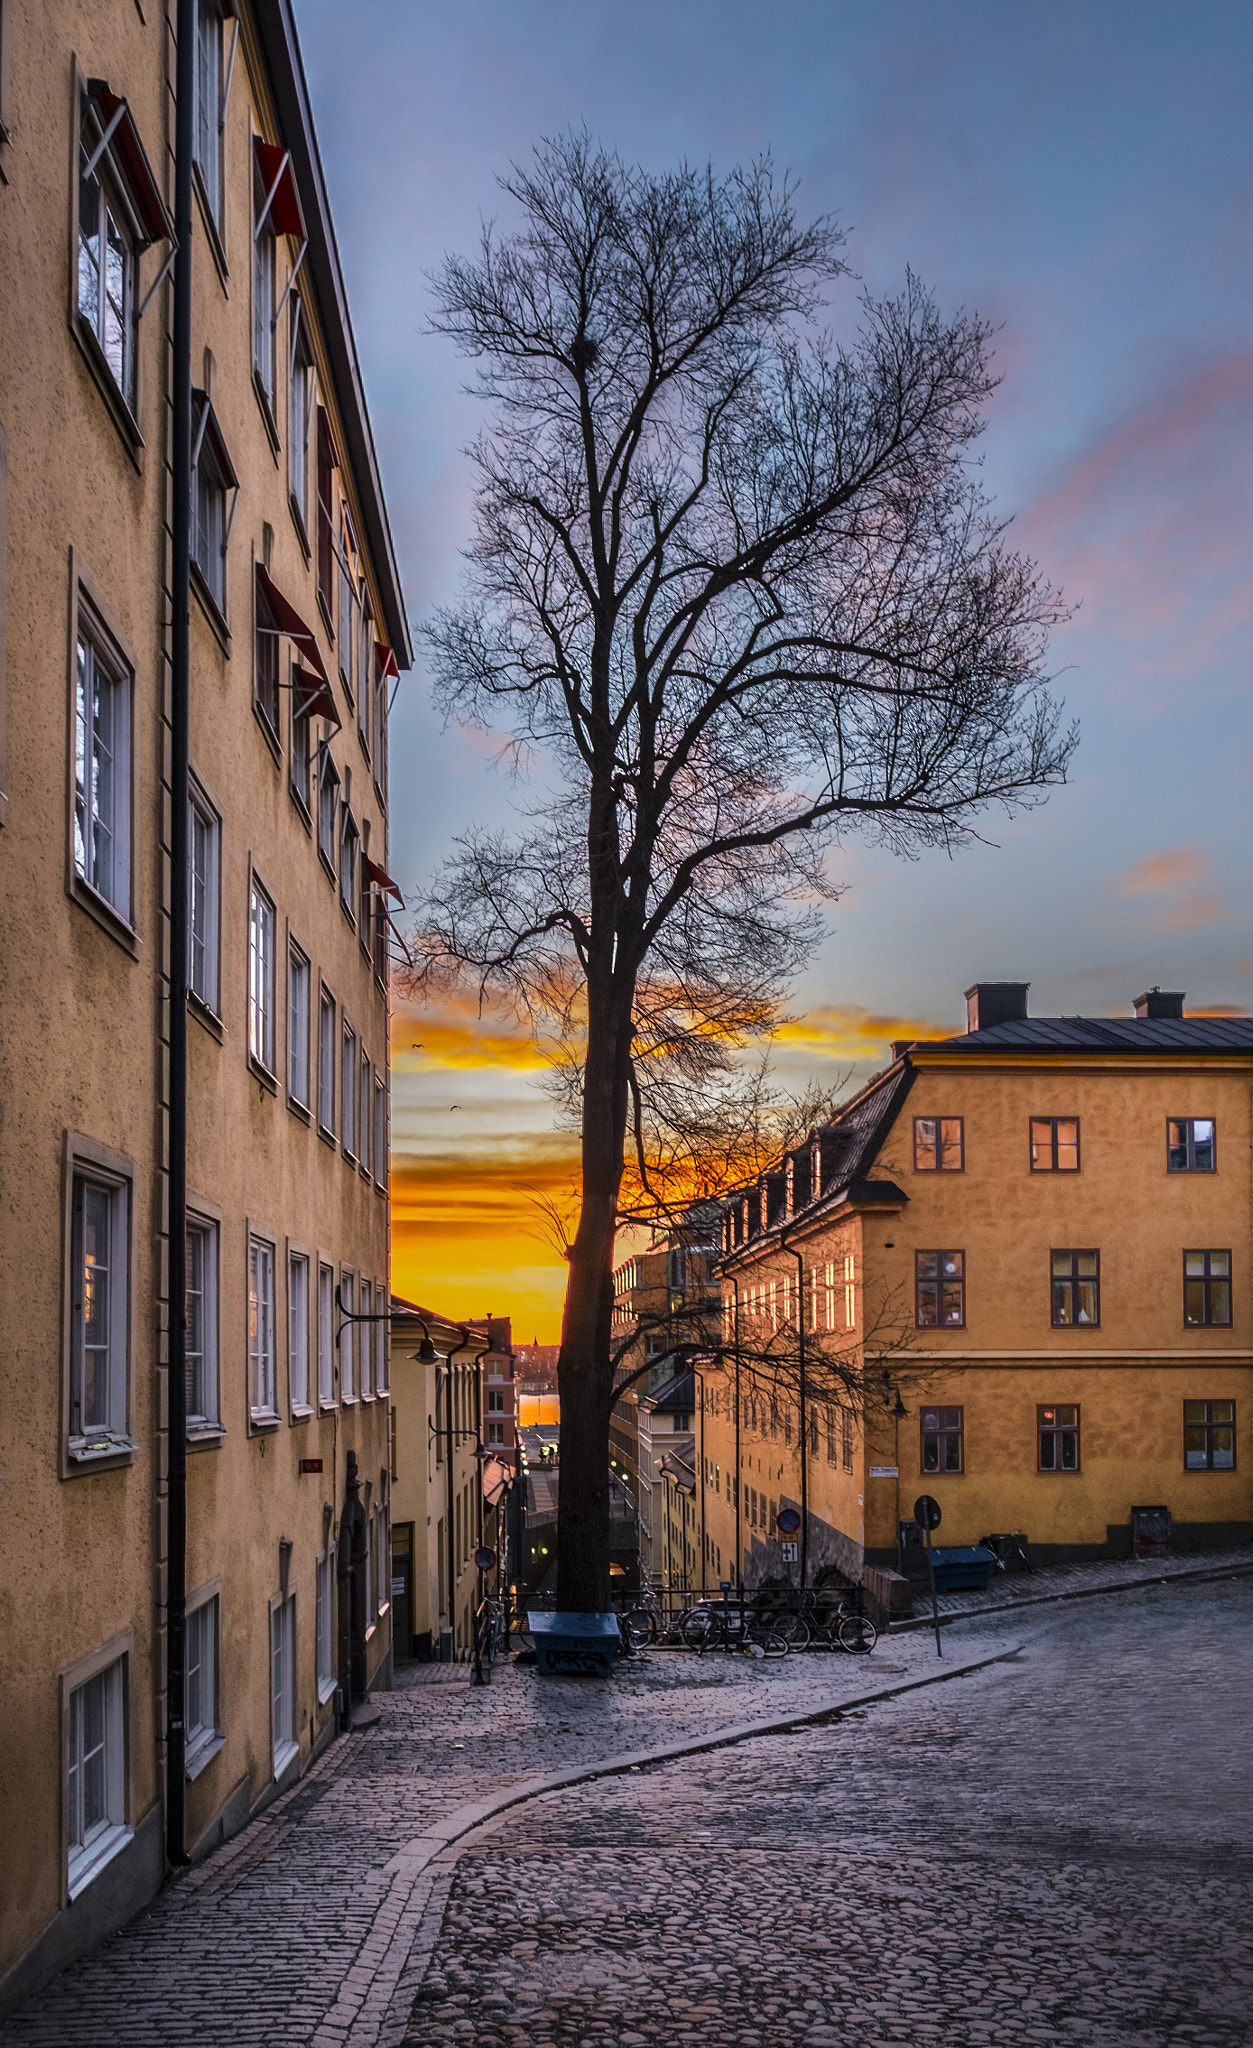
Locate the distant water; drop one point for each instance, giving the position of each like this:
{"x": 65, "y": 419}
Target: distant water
{"x": 536, "y": 1408}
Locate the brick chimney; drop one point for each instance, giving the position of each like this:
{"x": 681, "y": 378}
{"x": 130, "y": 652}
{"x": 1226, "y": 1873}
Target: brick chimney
{"x": 996, "y": 1002}
{"x": 1160, "y": 1002}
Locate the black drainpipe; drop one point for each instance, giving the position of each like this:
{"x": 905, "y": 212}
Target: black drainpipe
{"x": 739, "y": 1476}
{"x": 800, "y": 1333}
{"x": 180, "y": 686}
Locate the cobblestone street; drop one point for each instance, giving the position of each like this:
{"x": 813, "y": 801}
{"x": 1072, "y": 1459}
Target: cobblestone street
{"x": 1053, "y": 1847}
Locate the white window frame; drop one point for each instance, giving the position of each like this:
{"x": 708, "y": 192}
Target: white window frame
{"x": 204, "y": 1414}
{"x": 283, "y": 1681}
{"x": 347, "y": 1332}
{"x": 328, "y": 1055}
{"x": 324, "y": 1568}
{"x": 262, "y": 942}
{"x": 365, "y": 1348}
{"x": 264, "y": 272}
{"x": 90, "y": 1845}
{"x": 211, "y": 522}
{"x": 326, "y": 1334}
{"x": 349, "y": 860}
{"x": 348, "y": 1091}
{"x": 111, "y": 208}
{"x": 365, "y": 661}
{"x": 93, "y": 1171}
{"x": 298, "y": 1302}
{"x": 347, "y": 600}
{"x": 299, "y": 996}
{"x": 210, "y": 108}
{"x": 365, "y": 1078}
{"x": 103, "y": 868}
{"x": 299, "y": 413}
{"x": 262, "y": 1338}
{"x": 328, "y": 804}
{"x": 380, "y": 1131}
{"x": 204, "y": 1736}
{"x": 204, "y": 896}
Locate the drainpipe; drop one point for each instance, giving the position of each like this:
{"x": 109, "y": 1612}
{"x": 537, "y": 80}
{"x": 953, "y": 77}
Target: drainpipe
{"x": 739, "y": 1476}
{"x": 800, "y": 1331}
{"x": 449, "y": 1427}
{"x": 180, "y": 688}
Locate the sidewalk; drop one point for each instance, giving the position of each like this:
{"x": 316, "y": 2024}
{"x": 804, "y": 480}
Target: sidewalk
{"x": 1011, "y": 1590}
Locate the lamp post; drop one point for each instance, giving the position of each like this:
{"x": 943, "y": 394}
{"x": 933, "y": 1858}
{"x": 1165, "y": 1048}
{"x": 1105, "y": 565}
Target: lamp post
{"x": 804, "y": 1443}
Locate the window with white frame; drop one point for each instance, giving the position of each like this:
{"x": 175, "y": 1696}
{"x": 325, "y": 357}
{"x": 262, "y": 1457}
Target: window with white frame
{"x": 380, "y": 1340}
{"x": 207, "y": 140}
{"x": 325, "y": 1626}
{"x": 298, "y": 1331}
{"x": 107, "y": 246}
{"x": 366, "y": 1346}
{"x": 283, "y": 1681}
{"x": 301, "y": 743}
{"x": 349, "y": 849}
{"x": 204, "y": 871}
{"x": 261, "y": 929}
{"x": 380, "y": 1132}
{"x": 326, "y": 1335}
{"x": 262, "y": 1387}
{"x": 202, "y": 1324}
{"x": 102, "y": 767}
{"x": 299, "y": 394}
{"x": 328, "y": 805}
{"x": 213, "y": 480}
{"x": 299, "y": 982}
{"x": 263, "y": 254}
{"x": 326, "y": 1062}
{"x": 348, "y": 1093}
{"x": 96, "y": 1775}
{"x": 203, "y": 1737}
{"x": 267, "y": 660}
{"x": 347, "y": 1346}
{"x": 365, "y": 661}
{"x": 346, "y": 624}
{"x": 364, "y": 1106}
{"x": 99, "y": 1314}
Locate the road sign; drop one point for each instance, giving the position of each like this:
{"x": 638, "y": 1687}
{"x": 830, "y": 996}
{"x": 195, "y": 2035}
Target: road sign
{"x": 789, "y": 1552}
{"x": 927, "y": 1512}
{"x": 788, "y": 1521}
{"x": 485, "y": 1557}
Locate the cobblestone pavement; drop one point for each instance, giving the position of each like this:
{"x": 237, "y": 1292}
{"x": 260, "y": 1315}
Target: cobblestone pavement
{"x": 1052, "y": 1581}
{"x": 1057, "y": 1849}
{"x": 314, "y": 1925}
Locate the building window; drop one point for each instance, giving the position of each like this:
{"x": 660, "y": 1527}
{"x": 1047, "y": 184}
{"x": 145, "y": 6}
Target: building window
{"x": 942, "y": 1440}
{"x": 349, "y": 847}
{"x": 301, "y": 732}
{"x": 328, "y": 805}
{"x": 213, "y": 477}
{"x": 283, "y": 1681}
{"x": 106, "y": 258}
{"x": 1059, "y": 1439}
{"x": 1207, "y": 1289}
{"x": 326, "y": 1063}
{"x": 367, "y": 1348}
{"x": 265, "y": 670}
{"x": 298, "y": 1331}
{"x": 96, "y": 1780}
{"x": 325, "y": 1626}
{"x": 201, "y": 1705}
{"x": 1054, "y": 1144}
{"x": 202, "y": 1324}
{"x": 1209, "y": 1436}
{"x": 1076, "y": 1288}
{"x": 939, "y": 1144}
{"x": 365, "y": 661}
{"x": 263, "y": 1391}
{"x": 99, "y": 1260}
{"x": 207, "y": 145}
{"x": 263, "y": 248}
{"x": 495, "y": 1432}
{"x": 348, "y": 1093}
{"x": 204, "y": 864}
{"x": 380, "y": 1132}
{"x": 347, "y": 614}
{"x": 299, "y": 389}
{"x": 940, "y": 1290}
{"x": 261, "y": 926}
{"x": 850, "y": 1293}
{"x": 347, "y": 1333}
{"x": 327, "y": 461}
{"x": 364, "y": 1106}
{"x": 326, "y": 1335}
{"x": 495, "y": 1402}
{"x": 102, "y": 771}
{"x": 299, "y": 981}
{"x": 1190, "y": 1146}
{"x": 846, "y": 1429}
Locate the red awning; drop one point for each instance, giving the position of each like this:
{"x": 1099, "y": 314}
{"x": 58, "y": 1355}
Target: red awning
{"x": 386, "y": 661}
{"x": 381, "y": 879}
{"x": 128, "y": 154}
{"x": 315, "y": 699}
{"x": 279, "y": 185}
{"x": 289, "y": 621}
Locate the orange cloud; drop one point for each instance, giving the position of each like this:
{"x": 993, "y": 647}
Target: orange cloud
{"x": 453, "y": 1032}
{"x": 467, "y": 1236}
{"x": 845, "y": 1031}
{"x": 1170, "y": 878}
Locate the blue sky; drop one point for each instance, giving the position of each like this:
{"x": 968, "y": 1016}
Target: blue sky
{"x": 1082, "y": 175}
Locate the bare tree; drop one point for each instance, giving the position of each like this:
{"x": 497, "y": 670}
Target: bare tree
{"x": 737, "y": 592}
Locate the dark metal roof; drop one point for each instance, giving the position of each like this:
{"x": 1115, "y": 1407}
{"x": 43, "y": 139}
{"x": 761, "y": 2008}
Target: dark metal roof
{"x": 276, "y": 27}
{"x": 1194, "y": 1035}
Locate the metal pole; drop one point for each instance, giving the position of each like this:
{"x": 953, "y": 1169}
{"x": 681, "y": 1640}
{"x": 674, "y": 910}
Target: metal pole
{"x": 739, "y": 1476}
{"x": 935, "y": 1605}
{"x": 804, "y": 1447}
{"x": 180, "y": 693}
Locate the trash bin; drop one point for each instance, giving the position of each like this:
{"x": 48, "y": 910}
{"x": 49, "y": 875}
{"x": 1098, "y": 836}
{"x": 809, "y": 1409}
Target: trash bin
{"x": 961, "y": 1570}
{"x": 1152, "y": 1533}
{"x": 575, "y": 1645}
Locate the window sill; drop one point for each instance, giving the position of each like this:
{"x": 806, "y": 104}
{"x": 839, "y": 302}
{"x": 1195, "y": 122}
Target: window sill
{"x": 328, "y": 1137}
{"x": 350, "y": 1160}
{"x": 266, "y": 404}
{"x": 212, "y": 610}
{"x": 199, "y": 1758}
{"x": 263, "y": 1074}
{"x": 263, "y": 1418}
{"x": 326, "y": 1407}
{"x": 300, "y": 1109}
{"x": 348, "y": 1400}
{"x": 119, "y": 411}
{"x": 350, "y": 915}
{"x": 89, "y": 1863}
{"x": 204, "y": 1436}
{"x": 284, "y": 1757}
{"x": 326, "y": 1690}
{"x": 205, "y": 1016}
{"x": 301, "y": 1415}
{"x": 99, "y": 907}
{"x": 96, "y": 1450}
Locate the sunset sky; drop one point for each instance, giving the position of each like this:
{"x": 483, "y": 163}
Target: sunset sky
{"x": 1082, "y": 176}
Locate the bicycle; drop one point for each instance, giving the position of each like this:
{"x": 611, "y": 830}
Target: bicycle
{"x": 726, "y": 1626}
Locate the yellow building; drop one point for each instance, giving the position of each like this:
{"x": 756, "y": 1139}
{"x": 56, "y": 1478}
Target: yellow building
{"x": 297, "y": 628}
{"x": 1020, "y": 1262}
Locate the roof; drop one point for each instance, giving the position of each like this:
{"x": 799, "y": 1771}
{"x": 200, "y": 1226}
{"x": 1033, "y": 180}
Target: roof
{"x": 1194, "y": 1035}
{"x": 276, "y": 28}
{"x": 677, "y": 1397}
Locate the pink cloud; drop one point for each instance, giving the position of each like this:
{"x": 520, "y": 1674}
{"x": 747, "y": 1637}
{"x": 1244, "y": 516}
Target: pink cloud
{"x": 1169, "y": 880}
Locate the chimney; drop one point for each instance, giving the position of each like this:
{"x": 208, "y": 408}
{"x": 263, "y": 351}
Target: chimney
{"x": 1160, "y": 1002}
{"x": 996, "y": 1002}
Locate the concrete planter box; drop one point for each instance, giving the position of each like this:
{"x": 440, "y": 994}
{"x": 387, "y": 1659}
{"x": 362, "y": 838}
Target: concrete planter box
{"x": 575, "y": 1645}
{"x": 960, "y": 1571}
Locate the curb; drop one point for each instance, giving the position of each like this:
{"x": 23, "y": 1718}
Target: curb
{"x": 1198, "y": 1578}
{"x": 422, "y": 1850}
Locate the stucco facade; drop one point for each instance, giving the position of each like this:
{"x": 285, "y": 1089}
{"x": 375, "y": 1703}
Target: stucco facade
{"x": 288, "y": 1207}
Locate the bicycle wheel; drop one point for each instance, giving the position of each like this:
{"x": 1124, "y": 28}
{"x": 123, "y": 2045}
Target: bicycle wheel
{"x": 697, "y": 1628}
{"x": 640, "y": 1626}
{"x": 793, "y": 1628}
{"x": 774, "y": 1644}
{"x": 858, "y": 1633}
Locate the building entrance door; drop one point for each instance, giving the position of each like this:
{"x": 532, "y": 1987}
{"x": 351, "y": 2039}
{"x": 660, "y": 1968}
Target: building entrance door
{"x": 402, "y": 1588}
